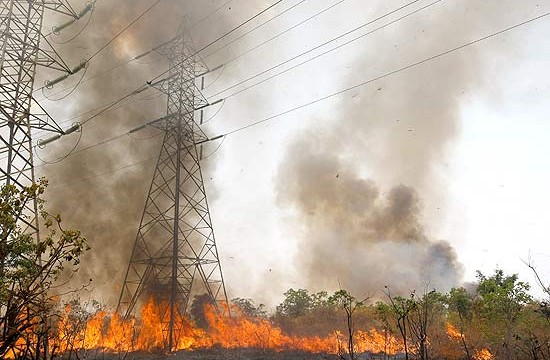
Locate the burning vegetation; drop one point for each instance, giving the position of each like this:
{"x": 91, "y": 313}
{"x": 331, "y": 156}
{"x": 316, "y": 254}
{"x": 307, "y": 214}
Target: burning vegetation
{"x": 496, "y": 319}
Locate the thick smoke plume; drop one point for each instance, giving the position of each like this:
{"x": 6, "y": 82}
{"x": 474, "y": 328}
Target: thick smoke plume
{"x": 106, "y": 206}
{"x": 357, "y": 234}
{"x": 365, "y": 185}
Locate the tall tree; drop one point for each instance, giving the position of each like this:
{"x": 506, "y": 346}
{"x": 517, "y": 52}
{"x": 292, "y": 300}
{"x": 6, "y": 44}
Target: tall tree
{"x": 402, "y": 308}
{"x": 501, "y": 300}
{"x": 29, "y": 270}
{"x": 350, "y": 304}
{"x": 460, "y": 302}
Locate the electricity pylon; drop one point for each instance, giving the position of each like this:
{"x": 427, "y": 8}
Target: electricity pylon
{"x": 175, "y": 254}
{"x": 20, "y": 53}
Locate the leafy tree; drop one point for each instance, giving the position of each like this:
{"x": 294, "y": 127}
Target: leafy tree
{"x": 503, "y": 295}
{"x": 197, "y": 309}
{"x": 461, "y": 303}
{"x": 402, "y": 308}
{"x": 247, "y": 307}
{"x": 296, "y": 303}
{"x": 501, "y": 300}
{"x": 350, "y": 304}
{"x": 422, "y": 317}
{"x": 29, "y": 270}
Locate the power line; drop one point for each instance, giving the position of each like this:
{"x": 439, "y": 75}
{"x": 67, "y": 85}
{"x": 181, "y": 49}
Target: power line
{"x": 329, "y": 96}
{"x": 123, "y": 63}
{"x": 205, "y": 47}
{"x": 225, "y": 35}
{"x": 210, "y": 14}
{"x": 255, "y": 28}
{"x": 110, "y": 105}
{"x": 124, "y": 29}
{"x": 104, "y": 46}
{"x": 108, "y": 172}
{"x": 211, "y": 43}
{"x": 285, "y": 31}
{"x": 324, "y": 44}
{"x": 390, "y": 73}
{"x": 144, "y": 87}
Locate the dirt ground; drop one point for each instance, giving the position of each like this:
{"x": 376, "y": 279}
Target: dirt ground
{"x": 225, "y": 354}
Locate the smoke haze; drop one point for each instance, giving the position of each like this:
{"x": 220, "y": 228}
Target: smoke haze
{"x": 364, "y": 183}
{"x": 107, "y": 207}
{"x": 356, "y": 183}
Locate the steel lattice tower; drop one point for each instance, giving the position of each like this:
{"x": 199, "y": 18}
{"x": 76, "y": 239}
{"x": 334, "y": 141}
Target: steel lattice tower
{"x": 20, "y": 53}
{"x": 175, "y": 252}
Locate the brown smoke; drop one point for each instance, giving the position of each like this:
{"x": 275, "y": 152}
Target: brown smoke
{"x": 355, "y": 233}
{"x": 107, "y": 208}
{"x": 357, "y": 183}
{"x": 395, "y": 132}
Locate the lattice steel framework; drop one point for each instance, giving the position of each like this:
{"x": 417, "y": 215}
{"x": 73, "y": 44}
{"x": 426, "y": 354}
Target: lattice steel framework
{"x": 175, "y": 254}
{"x": 20, "y": 37}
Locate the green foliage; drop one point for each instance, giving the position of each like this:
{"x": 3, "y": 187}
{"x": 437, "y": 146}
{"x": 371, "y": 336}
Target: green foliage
{"x": 29, "y": 267}
{"x": 344, "y": 299}
{"x": 502, "y": 296}
{"x": 197, "y": 309}
{"x": 500, "y": 309}
{"x": 461, "y": 302}
{"x": 248, "y": 308}
{"x": 299, "y": 302}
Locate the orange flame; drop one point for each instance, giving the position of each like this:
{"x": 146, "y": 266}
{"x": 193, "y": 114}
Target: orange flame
{"x": 483, "y": 354}
{"x": 456, "y": 335}
{"x": 111, "y": 333}
{"x": 453, "y": 333}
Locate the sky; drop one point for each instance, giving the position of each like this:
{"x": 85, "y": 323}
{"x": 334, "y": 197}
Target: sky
{"x": 464, "y": 134}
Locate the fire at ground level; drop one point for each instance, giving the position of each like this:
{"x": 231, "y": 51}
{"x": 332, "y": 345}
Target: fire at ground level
{"x": 107, "y": 336}
{"x": 232, "y": 354}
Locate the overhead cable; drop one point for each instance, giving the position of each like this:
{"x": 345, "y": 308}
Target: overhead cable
{"x": 123, "y": 30}
{"x": 223, "y": 36}
{"x": 255, "y": 28}
{"x": 361, "y": 84}
{"x": 390, "y": 73}
{"x": 302, "y": 22}
{"x": 116, "y": 66}
{"x": 326, "y": 43}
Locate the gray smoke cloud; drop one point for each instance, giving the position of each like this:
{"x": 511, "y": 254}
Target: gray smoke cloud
{"x": 357, "y": 183}
{"x": 357, "y": 234}
{"x": 106, "y": 206}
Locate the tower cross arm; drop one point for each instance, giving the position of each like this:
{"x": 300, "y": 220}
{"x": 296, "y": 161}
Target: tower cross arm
{"x": 42, "y": 120}
{"x": 60, "y": 6}
{"x": 168, "y": 121}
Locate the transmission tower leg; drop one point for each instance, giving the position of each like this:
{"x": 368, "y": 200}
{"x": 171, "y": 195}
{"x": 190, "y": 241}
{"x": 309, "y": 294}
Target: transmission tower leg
{"x": 20, "y": 31}
{"x": 175, "y": 254}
